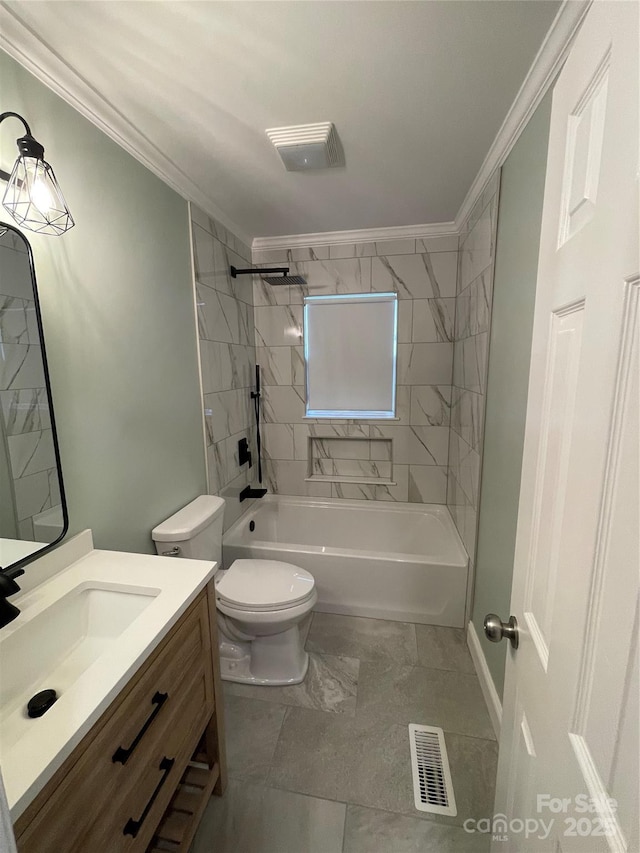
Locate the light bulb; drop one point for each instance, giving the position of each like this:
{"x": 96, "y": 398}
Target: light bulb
{"x": 41, "y": 196}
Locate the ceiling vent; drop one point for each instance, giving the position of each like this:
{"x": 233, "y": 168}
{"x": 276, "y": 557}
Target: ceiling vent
{"x": 307, "y": 146}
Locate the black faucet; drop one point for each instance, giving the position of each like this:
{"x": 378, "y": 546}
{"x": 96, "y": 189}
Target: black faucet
{"x": 8, "y": 586}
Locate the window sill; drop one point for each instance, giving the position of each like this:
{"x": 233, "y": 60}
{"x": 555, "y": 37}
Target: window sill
{"x": 366, "y": 481}
{"x": 332, "y": 420}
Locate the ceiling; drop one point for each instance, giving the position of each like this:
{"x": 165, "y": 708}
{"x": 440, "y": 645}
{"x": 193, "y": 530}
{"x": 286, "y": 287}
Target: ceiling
{"x": 417, "y": 91}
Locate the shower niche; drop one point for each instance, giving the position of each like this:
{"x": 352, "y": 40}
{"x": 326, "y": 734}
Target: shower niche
{"x": 352, "y": 459}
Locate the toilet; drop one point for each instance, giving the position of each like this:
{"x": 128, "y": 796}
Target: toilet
{"x": 260, "y": 603}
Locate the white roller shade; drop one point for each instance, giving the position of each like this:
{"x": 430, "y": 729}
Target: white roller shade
{"x": 350, "y": 353}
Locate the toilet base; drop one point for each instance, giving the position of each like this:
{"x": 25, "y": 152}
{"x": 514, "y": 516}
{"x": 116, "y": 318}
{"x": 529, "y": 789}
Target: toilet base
{"x": 275, "y": 660}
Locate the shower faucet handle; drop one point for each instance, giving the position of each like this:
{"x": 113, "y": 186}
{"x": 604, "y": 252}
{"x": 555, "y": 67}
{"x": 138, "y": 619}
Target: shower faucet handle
{"x": 244, "y": 454}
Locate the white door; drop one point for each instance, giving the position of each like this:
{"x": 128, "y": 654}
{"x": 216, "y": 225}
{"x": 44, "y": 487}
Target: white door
{"x": 569, "y": 743}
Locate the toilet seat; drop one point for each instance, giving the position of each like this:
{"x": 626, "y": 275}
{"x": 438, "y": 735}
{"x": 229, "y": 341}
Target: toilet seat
{"x": 265, "y": 586}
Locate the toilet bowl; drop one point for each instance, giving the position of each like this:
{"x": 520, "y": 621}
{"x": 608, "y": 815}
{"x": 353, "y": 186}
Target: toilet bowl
{"x": 260, "y": 603}
{"x": 260, "y": 606}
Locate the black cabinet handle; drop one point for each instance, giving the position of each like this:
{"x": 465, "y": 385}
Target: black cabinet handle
{"x": 132, "y": 827}
{"x": 122, "y": 754}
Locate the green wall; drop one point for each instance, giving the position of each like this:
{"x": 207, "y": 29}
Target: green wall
{"x": 518, "y": 241}
{"x": 117, "y": 303}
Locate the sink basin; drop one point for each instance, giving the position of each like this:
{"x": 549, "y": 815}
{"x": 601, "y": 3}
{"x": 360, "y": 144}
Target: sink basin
{"x": 56, "y": 646}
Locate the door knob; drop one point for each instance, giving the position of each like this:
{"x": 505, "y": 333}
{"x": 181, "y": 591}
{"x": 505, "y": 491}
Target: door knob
{"x": 496, "y": 630}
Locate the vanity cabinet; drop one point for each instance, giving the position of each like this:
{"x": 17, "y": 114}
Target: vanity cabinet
{"x": 143, "y": 774}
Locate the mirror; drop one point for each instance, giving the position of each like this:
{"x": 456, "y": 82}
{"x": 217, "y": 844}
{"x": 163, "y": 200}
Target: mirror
{"x": 33, "y": 513}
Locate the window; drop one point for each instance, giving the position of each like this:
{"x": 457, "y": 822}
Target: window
{"x": 350, "y": 346}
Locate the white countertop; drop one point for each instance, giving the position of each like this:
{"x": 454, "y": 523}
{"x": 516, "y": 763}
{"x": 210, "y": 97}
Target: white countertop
{"x": 12, "y": 550}
{"x": 30, "y": 758}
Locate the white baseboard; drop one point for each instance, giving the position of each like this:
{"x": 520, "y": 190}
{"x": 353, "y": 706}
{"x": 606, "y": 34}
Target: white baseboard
{"x": 494, "y": 705}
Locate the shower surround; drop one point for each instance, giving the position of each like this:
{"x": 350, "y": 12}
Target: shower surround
{"x": 423, "y": 273}
{"x": 471, "y": 362}
{"x": 227, "y": 357}
{"x": 432, "y": 451}
{"x": 444, "y": 286}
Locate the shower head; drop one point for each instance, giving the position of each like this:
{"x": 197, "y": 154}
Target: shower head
{"x": 283, "y": 279}
{"x": 270, "y": 275}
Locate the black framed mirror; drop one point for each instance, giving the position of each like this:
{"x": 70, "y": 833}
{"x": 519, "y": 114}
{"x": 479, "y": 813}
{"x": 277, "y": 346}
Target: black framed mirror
{"x": 33, "y": 511}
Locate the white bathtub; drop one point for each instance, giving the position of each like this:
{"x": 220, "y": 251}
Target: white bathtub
{"x": 382, "y": 560}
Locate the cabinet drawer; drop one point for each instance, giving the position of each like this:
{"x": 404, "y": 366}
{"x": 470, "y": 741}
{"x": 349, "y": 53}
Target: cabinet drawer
{"x": 129, "y": 823}
{"x": 153, "y": 717}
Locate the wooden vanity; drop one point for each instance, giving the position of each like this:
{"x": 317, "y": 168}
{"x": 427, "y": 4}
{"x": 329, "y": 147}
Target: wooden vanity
{"x": 142, "y": 776}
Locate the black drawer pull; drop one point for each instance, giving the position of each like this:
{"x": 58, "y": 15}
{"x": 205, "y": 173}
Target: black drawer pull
{"x": 132, "y": 826}
{"x": 122, "y": 754}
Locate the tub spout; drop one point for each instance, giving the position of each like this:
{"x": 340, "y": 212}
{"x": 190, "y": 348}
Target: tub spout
{"x": 248, "y": 492}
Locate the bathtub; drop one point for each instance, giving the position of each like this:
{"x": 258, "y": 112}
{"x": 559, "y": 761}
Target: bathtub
{"x": 380, "y": 559}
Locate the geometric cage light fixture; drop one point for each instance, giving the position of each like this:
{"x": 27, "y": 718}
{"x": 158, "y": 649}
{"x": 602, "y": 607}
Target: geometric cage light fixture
{"x": 33, "y": 196}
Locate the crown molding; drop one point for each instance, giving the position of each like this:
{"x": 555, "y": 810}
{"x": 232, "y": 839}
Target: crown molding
{"x": 360, "y": 235}
{"x": 28, "y": 49}
{"x": 546, "y": 65}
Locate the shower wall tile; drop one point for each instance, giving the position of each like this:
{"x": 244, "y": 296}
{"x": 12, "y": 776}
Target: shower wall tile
{"x": 418, "y": 445}
{"x": 413, "y": 448}
{"x": 13, "y": 320}
{"x": 33, "y": 495}
{"x": 341, "y": 448}
{"x": 222, "y": 235}
{"x": 470, "y": 362}
{"x": 298, "y": 367}
{"x": 25, "y": 410}
{"x": 279, "y": 326}
{"x": 433, "y": 320}
{"x": 283, "y": 404}
{"x": 276, "y": 257}
{"x": 211, "y": 262}
{"x": 302, "y": 432}
{"x": 276, "y": 366}
{"x": 348, "y": 275}
{"x": 405, "y": 321}
{"x": 430, "y": 405}
{"x": 445, "y": 243}
{"x": 20, "y": 367}
{"x": 478, "y": 249}
{"x": 226, "y": 412}
{"x": 277, "y": 441}
{"x": 396, "y": 247}
{"x": 226, "y": 331}
{"x": 425, "y": 364}
{"x": 352, "y": 250}
{"x": 403, "y": 404}
{"x": 16, "y": 275}
{"x": 31, "y": 452}
{"x": 285, "y": 477}
{"x": 317, "y": 253}
{"x": 466, "y": 409}
{"x": 428, "y": 484}
{"x": 423, "y": 276}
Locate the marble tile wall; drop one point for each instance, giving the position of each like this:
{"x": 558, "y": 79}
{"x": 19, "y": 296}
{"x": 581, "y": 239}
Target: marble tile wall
{"x": 26, "y": 426}
{"x": 470, "y": 362}
{"x": 227, "y": 358}
{"x": 423, "y": 273}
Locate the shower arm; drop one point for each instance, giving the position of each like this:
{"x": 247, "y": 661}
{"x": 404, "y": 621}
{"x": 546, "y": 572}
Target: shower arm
{"x": 258, "y": 271}
{"x": 270, "y": 275}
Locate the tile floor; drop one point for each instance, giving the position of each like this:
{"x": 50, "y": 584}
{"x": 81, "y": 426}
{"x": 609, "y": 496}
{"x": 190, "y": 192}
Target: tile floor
{"x": 324, "y": 766}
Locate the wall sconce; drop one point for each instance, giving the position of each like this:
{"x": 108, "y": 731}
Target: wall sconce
{"x": 33, "y": 197}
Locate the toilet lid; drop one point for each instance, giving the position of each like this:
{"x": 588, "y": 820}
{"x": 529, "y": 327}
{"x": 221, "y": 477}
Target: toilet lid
{"x": 265, "y": 584}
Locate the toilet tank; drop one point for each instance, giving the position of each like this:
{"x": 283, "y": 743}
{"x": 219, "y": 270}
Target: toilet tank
{"x": 196, "y": 530}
